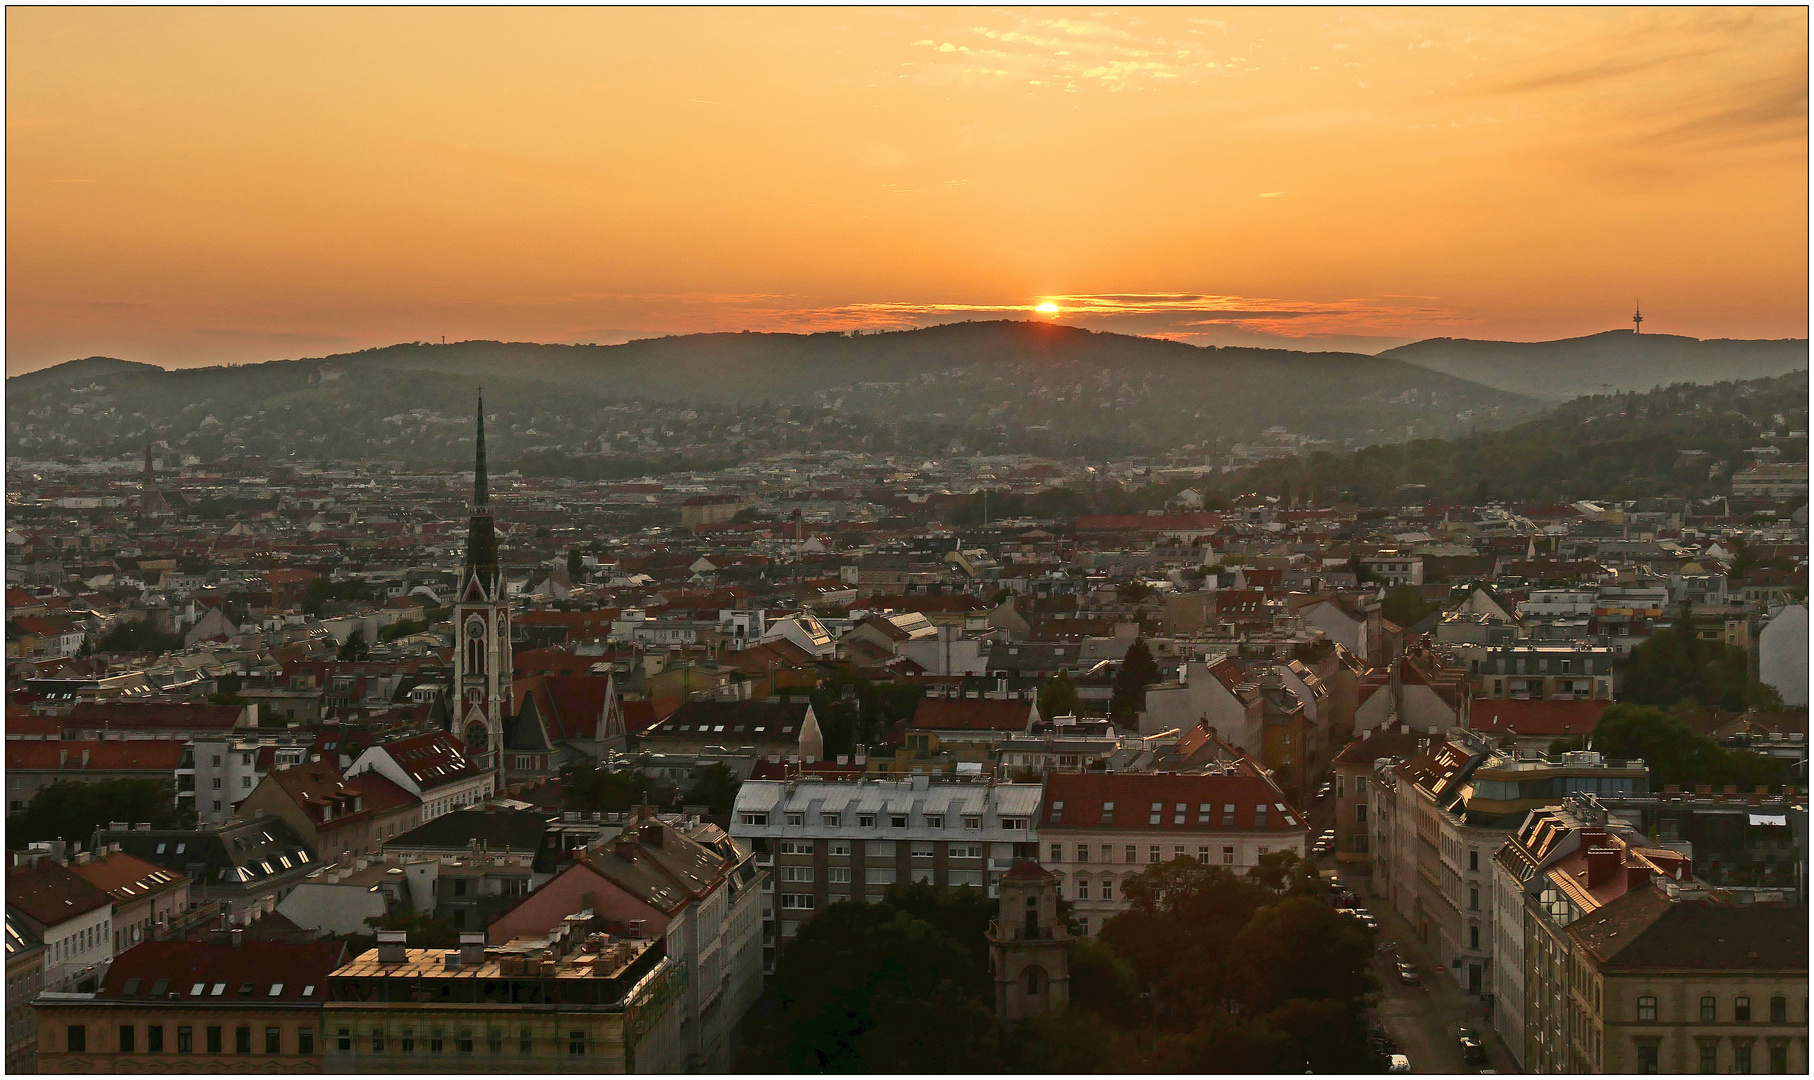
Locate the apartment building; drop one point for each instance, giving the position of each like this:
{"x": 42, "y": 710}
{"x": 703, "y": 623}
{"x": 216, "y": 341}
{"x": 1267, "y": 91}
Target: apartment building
{"x": 1540, "y": 671}
{"x": 194, "y": 1007}
{"x": 578, "y": 1000}
{"x": 832, "y": 840}
{"x": 1097, "y": 830}
{"x": 1455, "y": 805}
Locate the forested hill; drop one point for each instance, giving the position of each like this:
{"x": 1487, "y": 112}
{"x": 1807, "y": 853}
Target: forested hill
{"x": 1612, "y": 362}
{"x": 1683, "y": 440}
{"x": 989, "y": 387}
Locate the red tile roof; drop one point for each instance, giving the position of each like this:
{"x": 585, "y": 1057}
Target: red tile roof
{"x": 971, "y": 714}
{"x": 1075, "y": 801}
{"x": 49, "y": 893}
{"x": 1536, "y": 717}
{"x": 125, "y": 877}
{"x": 1148, "y": 522}
{"x": 103, "y": 755}
{"x": 431, "y": 760}
{"x": 136, "y": 714}
{"x": 245, "y": 974}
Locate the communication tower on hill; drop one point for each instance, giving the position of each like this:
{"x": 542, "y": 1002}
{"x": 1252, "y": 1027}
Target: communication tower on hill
{"x": 1637, "y": 318}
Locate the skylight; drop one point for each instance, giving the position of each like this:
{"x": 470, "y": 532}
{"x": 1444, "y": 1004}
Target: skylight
{"x": 197, "y": 989}
{"x": 276, "y": 988}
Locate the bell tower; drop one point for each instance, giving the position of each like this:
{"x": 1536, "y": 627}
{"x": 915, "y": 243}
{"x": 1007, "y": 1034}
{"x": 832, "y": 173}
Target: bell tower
{"x": 481, "y": 621}
{"x": 1029, "y": 946}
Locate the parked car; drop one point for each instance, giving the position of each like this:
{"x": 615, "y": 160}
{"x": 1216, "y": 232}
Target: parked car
{"x": 1323, "y": 792}
{"x": 1399, "y": 1063}
{"x": 1321, "y": 849}
{"x": 1408, "y": 974}
{"x": 1471, "y": 1049}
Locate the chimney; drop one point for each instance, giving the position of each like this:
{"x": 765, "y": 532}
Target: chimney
{"x": 393, "y": 947}
{"x": 237, "y": 936}
{"x": 1636, "y": 876}
{"x": 1602, "y": 864}
{"x": 472, "y": 949}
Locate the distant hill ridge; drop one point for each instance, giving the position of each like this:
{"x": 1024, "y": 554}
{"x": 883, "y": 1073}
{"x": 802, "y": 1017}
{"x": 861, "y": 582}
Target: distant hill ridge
{"x": 1617, "y": 360}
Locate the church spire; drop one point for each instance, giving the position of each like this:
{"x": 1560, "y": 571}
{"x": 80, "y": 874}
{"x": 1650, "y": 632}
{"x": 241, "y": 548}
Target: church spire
{"x": 481, "y": 537}
{"x": 481, "y": 487}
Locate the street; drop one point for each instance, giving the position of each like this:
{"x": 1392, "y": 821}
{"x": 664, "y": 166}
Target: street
{"x": 1421, "y": 1019}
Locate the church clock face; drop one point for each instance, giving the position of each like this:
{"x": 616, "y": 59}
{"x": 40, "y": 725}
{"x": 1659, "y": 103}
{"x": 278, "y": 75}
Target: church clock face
{"x": 475, "y": 629}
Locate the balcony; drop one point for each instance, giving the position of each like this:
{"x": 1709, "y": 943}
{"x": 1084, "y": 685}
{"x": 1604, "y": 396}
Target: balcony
{"x": 998, "y": 932}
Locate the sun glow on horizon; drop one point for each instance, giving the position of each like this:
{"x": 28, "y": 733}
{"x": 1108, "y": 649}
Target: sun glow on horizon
{"x": 1047, "y": 308}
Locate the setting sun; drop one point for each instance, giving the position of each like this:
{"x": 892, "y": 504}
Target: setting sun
{"x": 1047, "y": 308}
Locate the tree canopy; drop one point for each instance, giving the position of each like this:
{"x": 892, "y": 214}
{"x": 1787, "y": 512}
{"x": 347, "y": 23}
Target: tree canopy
{"x": 1676, "y": 665}
{"x": 1138, "y": 671}
{"x": 67, "y": 810}
{"x": 138, "y": 637}
{"x": 1058, "y": 696}
{"x": 1675, "y": 752}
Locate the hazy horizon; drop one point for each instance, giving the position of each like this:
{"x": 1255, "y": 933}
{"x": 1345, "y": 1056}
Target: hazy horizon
{"x": 190, "y": 187}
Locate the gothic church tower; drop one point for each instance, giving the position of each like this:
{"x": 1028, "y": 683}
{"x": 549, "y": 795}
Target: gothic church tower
{"x": 481, "y": 620}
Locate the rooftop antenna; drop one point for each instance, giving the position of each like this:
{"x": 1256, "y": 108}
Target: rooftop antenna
{"x": 1637, "y": 317}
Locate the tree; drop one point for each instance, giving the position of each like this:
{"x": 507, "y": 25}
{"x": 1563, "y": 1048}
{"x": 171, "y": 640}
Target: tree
{"x": 1058, "y": 697}
{"x": 715, "y": 789}
{"x": 576, "y": 567}
{"x": 1138, "y": 671}
{"x": 1104, "y": 984}
{"x": 139, "y": 636}
{"x": 68, "y": 810}
{"x": 354, "y": 649}
{"x": 1675, "y": 664}
{"x": 596, "y": 790}
{"x": 1676, "y": 753}
{"x": 1404, "y": 605}
{"x": 874, "y": 988}
{"x": 402, "y": 628}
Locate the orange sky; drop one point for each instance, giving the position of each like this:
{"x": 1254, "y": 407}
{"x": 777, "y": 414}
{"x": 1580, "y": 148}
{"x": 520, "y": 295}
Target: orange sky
{"x": 189, "y": 186}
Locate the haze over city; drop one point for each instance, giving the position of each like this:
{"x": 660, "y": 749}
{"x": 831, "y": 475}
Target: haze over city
{"x": 204, "y": 186}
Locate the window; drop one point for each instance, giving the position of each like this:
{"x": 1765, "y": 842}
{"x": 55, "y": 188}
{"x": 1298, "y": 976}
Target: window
{"x": 494, "y": 1041}
{"x": 344, "y": 1037}
{"x": 1741, "y": 1057}
{"x": 1013, "y": 824}
{"x": 305, "y": 1041}
{"x": 1203, "y": 853}
{"x": 214, "y": 1039}
{"x": 897, "y": 821}
{"x": 1178, "y": 813}
{"x": 1473, "y": 856}
{"x": 576, "y": 1043}
{"x": 755, "y": 819}
{"x": 1261, "y": 852}
{"x": 1474, "y": 938}
{"x": 879, "y": 875}
{"x": 881, "y": 849}
{"x": 377, "y": 1040}
{"x": 935, "y": 821}
{"x": 1779, "y": 1010}
{"x": 1779, "y": 1057}
{"x": 464, "y": 1043}
{"x": 1360, "y": 785}
{"x": 829, "y": 820}
{"x": 796, "y": 819}
{"x": 1133, "y": 853}
{"x": 1203, "y": 810}
{"x": 435, "y": 1043}
{"x": 1108, "y": 815}
{"x": 1647, "y": 1058}
{"x": 242, "y": 1040}
{"x": 1108, "y": 889}
{"x": 796, "y": 873}
{"x": 797, "y": 901}
{"x": 964, "y": 851}
{"x": 973, "y": 821}
{"x": 1710, "y": 1057}
{"x": 796, "y": 847}
{"x": 1058, "y": 853}
{"x": 838, "y": 875}
{"x": 1360, "y": 813}
{"x": 1709, "y": 1011}
{"x": 1259, "y": 815}
{"x": 866, "y": 821}
{"x": 185, "y": 1040}
{"x": 1083, "y": 853}
{"x": 77, "y": 1037}
{"x": 1473, "y": 899}
{"x": 1083, "y": 890}
{"x": 1153, "y": 815}
{"x": 214, "y": 784}
{"x": 1228, "y": 815}
{"x": 1152, "y": 854}
{"x": 922, "y": 849}
{"x": 1741, "y": 1010}
{"x": 1647, "y": 1008}
{"x": 838, "y": 847}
